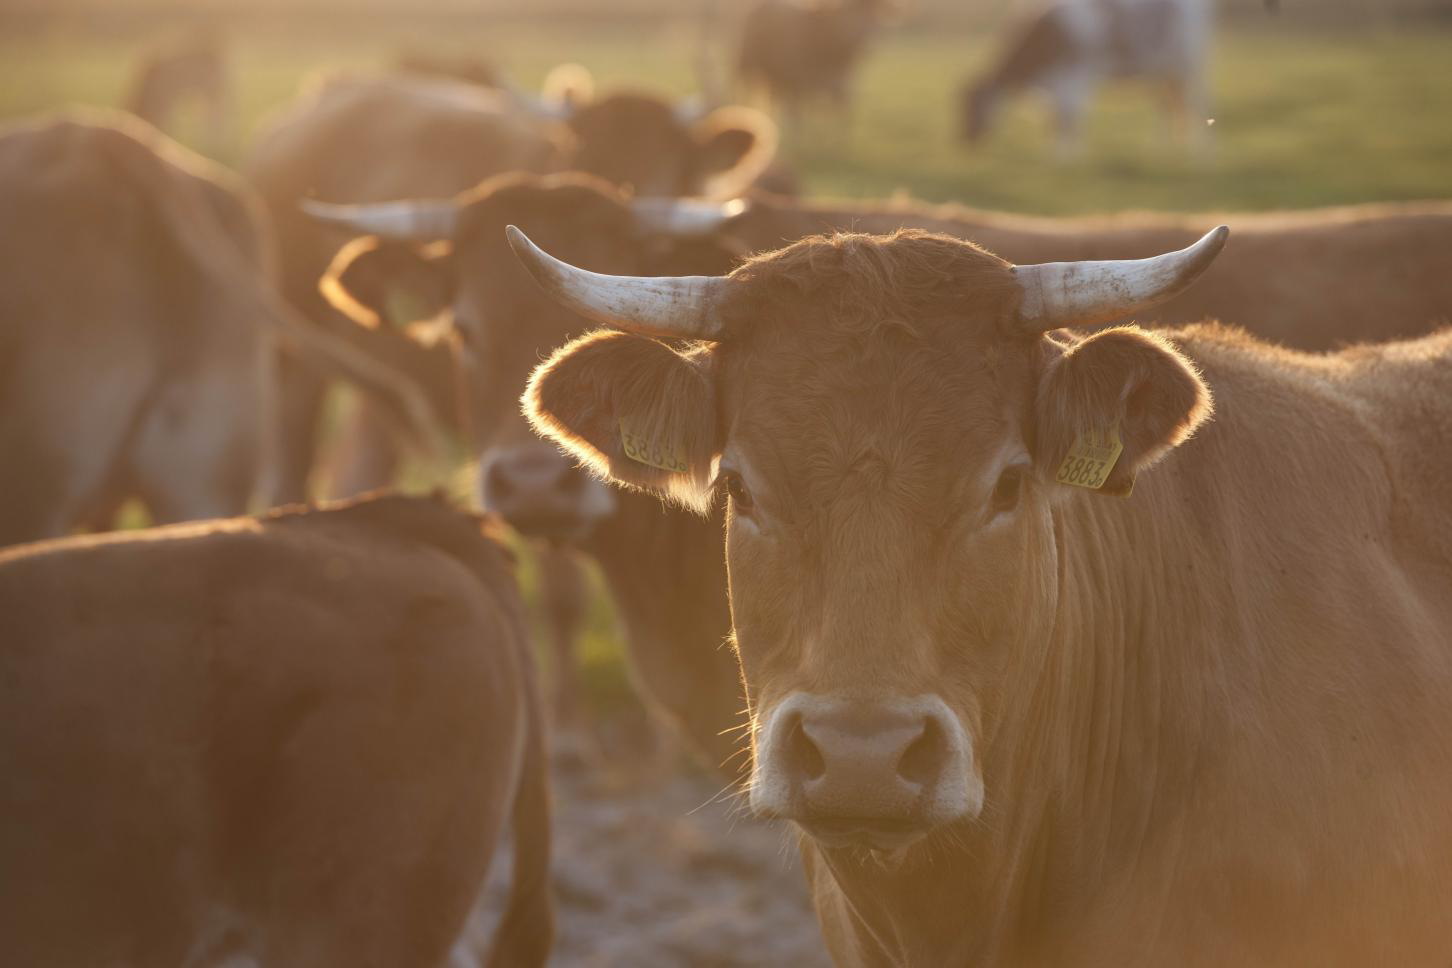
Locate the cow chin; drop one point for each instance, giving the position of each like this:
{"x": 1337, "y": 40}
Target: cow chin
{"x": 879, "y": 774}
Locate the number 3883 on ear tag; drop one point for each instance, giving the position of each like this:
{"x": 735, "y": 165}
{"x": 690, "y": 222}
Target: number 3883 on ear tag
{"x": 1091, "y": 458}
{"x": 665, "y": 455}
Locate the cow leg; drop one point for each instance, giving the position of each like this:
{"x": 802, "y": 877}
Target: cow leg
{"x": 366, "y": 457}
{"x": 62, "y": 435}
{"x": 200, "y": 446}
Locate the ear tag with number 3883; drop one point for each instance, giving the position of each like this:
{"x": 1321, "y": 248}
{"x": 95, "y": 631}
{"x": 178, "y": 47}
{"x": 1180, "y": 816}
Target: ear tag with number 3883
{"x": 665, "y": 455}
{"x": 1091, "y": 458}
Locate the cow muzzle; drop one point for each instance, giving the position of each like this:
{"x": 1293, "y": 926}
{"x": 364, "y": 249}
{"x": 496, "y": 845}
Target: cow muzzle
{"x": 542, "y": 493}
{"x": 866, "y": 773}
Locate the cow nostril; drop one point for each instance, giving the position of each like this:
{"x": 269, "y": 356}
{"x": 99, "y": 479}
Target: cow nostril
{"x": 922, "y": 761}
{"x": 806, "y": 759}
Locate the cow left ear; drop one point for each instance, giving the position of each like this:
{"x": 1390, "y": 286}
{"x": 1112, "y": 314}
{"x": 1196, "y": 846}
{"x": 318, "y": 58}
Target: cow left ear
{"x": 1112, "y": 404}
{"x": 734, "y": 145}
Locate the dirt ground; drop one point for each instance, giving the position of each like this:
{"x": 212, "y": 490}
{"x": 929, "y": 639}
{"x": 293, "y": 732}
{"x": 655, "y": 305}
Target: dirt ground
{"x": 657, "y": 873}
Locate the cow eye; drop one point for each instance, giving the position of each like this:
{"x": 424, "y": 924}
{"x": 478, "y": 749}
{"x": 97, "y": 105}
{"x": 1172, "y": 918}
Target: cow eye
{"x": 1006, "y": 492}
{"x": 735, "y": 489}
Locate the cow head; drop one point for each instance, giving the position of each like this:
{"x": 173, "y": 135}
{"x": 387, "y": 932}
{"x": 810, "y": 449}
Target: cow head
{"x": 453, "y": 254}
{"x": 892, "y": 421}
{"x": 653, "y": 146}
{"x": 658, "y": 148}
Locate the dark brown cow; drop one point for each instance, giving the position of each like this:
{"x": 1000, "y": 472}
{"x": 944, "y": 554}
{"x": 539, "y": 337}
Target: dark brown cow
{"x": 377, "y": 138}
{"x": 1048, "y": 667}
{"x": 540, "y": 492}
{"x": 287, "y": 740}
{"x": 797, "y": 50}
{"x": 138, "y": 329}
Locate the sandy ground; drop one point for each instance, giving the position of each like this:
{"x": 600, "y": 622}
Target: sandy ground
{"x": 657, "y": 873}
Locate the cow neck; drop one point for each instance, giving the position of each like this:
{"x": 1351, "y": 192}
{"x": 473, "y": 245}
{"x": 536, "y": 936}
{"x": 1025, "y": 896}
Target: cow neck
{"x": 1077, "y": 789}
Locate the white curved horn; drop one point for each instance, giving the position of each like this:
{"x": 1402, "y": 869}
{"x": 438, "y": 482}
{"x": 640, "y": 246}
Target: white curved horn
{"x": 1087, "y": 293}
{"x": 409, "y": 221}
{"x": 687, "y": 217}
{"x": 681, "y": 307}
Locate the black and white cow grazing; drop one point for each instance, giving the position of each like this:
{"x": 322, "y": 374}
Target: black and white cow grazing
{"x": 1069, "y": 48}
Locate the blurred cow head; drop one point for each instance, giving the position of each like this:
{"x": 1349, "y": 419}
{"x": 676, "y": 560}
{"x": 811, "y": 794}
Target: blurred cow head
{"x": 453, "y": 255}
{"x": 652, "y": 146}
{"x": 895, "y": 428}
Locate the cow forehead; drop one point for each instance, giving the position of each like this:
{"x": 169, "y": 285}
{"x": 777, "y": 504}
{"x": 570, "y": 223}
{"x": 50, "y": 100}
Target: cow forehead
{"x": 888, "y": 414}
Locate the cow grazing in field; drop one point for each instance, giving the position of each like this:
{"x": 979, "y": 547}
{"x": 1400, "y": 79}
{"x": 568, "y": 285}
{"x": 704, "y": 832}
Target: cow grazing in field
{"x": 1362, "y": 274}
{"x": 503, "y": 325}
{"x": 138, "y": 328}
{"x": 286, "y": 740}
{"x": 1047, "y": 666}
{"x": 353, "y": 139}
{"x": 1071, "y": 47}
{"x": 193, "y": 70}
{"x": 799, "y": 49}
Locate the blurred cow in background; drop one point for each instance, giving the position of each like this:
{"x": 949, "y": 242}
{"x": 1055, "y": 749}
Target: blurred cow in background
{"x": 192, "y": 70}
{"x": 1071, "y": 47}
{"x": 287, "y": 740}
{"x": 504, "y": 324}
{"x": 139, "y": 326}
{"x": 800, "y": 49}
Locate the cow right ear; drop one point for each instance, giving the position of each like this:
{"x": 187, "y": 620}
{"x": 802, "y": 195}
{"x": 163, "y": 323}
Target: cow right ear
{"x": 372, "y": 279}
{"x": 633, "y": 410}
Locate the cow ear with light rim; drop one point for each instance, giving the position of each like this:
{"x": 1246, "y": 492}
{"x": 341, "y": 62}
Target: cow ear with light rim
{"x": 1123, "y": 387}
{"x": 734, "y": 146}
{"x": 633, "y": 410}
{"x": 373, "y": 279}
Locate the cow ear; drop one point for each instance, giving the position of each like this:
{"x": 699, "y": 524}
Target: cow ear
{"x": 373, "y": 279}
{"x": 734, "y": 146}
{"x": 1112, "y": 404}
{"x": 633, "y": 410}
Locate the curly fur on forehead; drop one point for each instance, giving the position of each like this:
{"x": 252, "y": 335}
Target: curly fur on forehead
{"x": 875, "y": 279}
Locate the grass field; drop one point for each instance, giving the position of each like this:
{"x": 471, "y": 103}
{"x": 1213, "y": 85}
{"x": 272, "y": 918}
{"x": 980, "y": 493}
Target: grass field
{"x": 1301, "y": 119}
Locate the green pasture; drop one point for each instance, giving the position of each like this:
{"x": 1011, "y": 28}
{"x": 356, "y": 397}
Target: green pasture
{"x": 1301, "y": 118}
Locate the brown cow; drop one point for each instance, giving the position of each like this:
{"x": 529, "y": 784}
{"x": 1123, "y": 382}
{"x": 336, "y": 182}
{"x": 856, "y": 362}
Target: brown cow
{"x": 798, "y": 49}
{"x": 286, "y": 740}
{"x": 1385, "y": 256}
{"x": 377, "y": 138}
{"x": 503, "y": 325}
{"x": 139, "y": 325}
{"x": 1021, "y": 715}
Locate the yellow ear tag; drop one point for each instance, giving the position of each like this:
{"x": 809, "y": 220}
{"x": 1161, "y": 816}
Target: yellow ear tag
{"x": 1091, "y": 458}
{"x": 667, "y": 456}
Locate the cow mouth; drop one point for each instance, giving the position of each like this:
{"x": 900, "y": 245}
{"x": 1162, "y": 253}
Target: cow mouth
{"x": 873, "y": 833}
